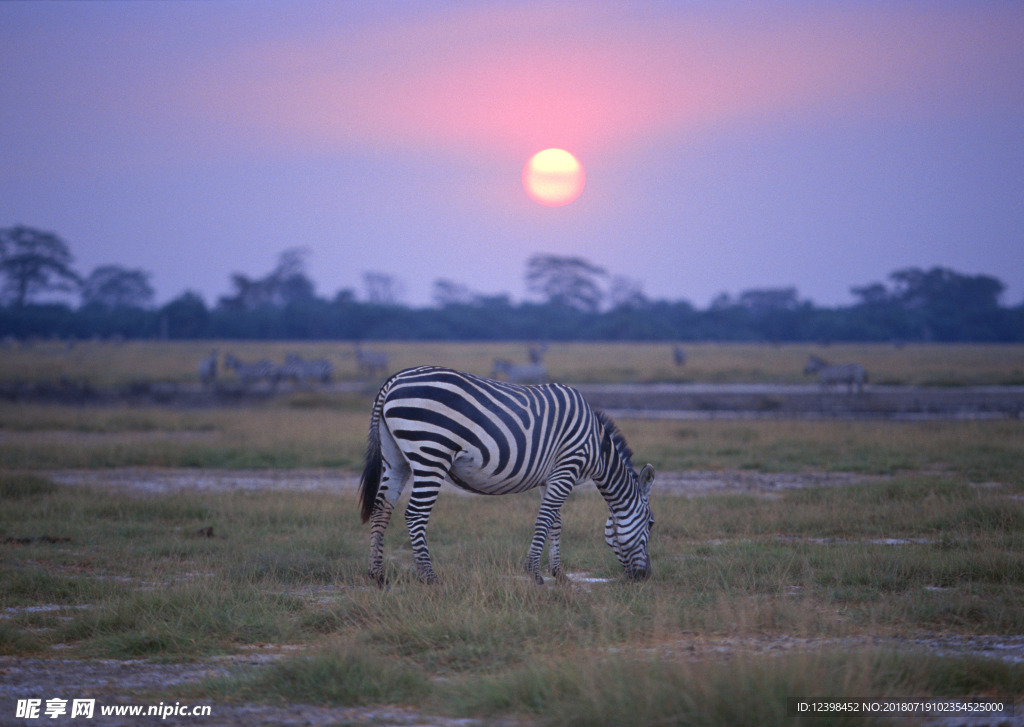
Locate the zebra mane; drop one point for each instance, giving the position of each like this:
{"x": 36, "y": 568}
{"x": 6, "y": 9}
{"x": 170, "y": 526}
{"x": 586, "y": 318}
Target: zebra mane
{"x": 616, "y": 436}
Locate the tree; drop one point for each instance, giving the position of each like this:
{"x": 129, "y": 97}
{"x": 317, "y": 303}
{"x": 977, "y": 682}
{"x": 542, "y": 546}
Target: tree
{"x": 626, "y": 293}
{"x": 33, "y": 262}
{"x": 381, "y": 288}
{"x": 111, "y": 286}
{"x": 941, "y": 287}
{"x": 765, "y": 300}
{"x": 872, "y": 294}
{"x": 950, "y": 305}
{"x": 448, "y": 292}
{"x": 288, "y": 280}
{"x": 285, "y": 284}
{"x": 565, "y": 281}
{"x": 186, "y": 316}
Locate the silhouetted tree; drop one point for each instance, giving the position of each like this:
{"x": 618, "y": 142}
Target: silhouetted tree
{"x": 186, "y": 316}
{"x": 284, "y": 285}
{"x": 33, "y": 262}
{"x": 448, "y": 292}
{"x": 766, "y": 300}
{"x": 382, "y": 288}
{"x": 289, "y": 281}
{"x": 625, "y": 292}
{"x": 565, "y": 281}
{"x": 111, "y": 286}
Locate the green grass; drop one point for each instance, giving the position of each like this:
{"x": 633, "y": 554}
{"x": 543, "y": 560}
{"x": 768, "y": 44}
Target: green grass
{"x": 138, "y": 577}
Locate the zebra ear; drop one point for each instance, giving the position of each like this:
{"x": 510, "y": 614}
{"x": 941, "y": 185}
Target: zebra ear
{"x": 646, "y": 479}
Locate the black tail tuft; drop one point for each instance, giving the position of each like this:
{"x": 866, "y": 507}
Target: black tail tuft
{"x": 370, "y": 482}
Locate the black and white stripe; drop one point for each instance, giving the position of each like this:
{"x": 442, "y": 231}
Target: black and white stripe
{"x": 851, "y": 374}
{"x": 433, "y": 425}
{"x": 302, "y": 371}
{"x": 252, "y": 373}
{"x": 208, "y": 369}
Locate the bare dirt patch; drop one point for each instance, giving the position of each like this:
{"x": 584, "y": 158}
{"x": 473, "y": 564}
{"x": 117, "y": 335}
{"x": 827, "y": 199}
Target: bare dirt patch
{"x": 156, "y": 481}
{"x": 110, "y": 681}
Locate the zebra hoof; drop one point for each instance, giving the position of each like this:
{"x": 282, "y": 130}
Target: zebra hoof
{"x": 428, "y": 578}
{"x": 561, "y": 578}
{"x": 533, "y": 570}
{"x": 378, "y": 578}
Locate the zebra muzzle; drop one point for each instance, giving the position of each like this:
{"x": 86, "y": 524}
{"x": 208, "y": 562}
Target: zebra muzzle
{"x": 640, "y": 573}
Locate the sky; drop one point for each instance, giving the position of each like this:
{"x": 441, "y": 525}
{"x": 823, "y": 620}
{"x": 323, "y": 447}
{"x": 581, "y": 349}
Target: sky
{"x": 727, "y": 146}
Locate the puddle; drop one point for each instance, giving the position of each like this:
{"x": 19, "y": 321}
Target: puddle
{"x": 12, "y": 611}
{"x": 587, "y": 578}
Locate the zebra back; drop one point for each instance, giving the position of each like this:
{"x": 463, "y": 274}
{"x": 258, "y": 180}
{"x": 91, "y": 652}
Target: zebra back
{"x": 829, "y": 374}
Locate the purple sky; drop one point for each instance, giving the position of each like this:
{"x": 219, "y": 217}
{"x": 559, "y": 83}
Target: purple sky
{"x": 727, "y": 146}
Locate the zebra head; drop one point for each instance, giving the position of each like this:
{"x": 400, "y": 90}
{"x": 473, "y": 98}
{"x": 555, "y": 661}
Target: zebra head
{"x": 814, "y": 364}
{"x": 627, "y": 532}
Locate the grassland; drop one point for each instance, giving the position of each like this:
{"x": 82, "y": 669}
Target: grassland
{"x": 821, "y": 593}
{"x": 184, "y": 577}
{"x": 117, "y": 365}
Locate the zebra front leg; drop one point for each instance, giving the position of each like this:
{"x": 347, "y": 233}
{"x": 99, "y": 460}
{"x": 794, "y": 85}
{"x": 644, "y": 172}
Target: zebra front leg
{"x": 554, "y": 550}
{"x": 417, "y": 513}
{"x": 379, "y": 519}
{"x": 550, "y": 507}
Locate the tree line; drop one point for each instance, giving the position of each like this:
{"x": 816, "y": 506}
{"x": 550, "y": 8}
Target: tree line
{"x": 577, "y": 300}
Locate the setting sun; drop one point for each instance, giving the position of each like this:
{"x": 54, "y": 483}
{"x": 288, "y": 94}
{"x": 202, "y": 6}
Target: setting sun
{"x": 553, "y": 177}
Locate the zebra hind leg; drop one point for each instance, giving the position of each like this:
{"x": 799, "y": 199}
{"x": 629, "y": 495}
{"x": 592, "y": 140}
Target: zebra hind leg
{"x": 417, "y": 513}
{"x": 379, "y": 519}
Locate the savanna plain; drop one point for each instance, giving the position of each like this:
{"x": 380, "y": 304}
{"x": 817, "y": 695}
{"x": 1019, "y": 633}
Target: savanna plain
{"x": 829, "y": 561}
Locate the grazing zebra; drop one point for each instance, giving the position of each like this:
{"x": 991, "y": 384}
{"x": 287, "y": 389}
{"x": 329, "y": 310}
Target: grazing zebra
{"x": 532, "y": 373}
{"x": 371, "y": 363}
{"x": 851, "y": 374}
{"x": 301, "y": 371}
{"x": 293, "y": 369}
{"x": 253, "y": 373}
{"x": 319, "y": 369}
{"x": 432, "y": 424}
{"x": 208, "y": 369}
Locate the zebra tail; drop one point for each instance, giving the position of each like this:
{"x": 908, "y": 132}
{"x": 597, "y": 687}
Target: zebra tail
{"x": 369, "y": 484}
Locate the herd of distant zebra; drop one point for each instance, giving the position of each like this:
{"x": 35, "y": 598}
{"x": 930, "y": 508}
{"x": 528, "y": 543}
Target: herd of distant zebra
{"x": 295, "y": 369}
{"x": 374, "y": 365}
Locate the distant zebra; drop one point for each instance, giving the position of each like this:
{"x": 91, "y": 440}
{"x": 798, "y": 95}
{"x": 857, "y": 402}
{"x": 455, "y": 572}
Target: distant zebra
{"x": 293, "y": 369}
{"x": 851, "y": 374}
{"x": 319, "y": 369}
{"x": 253, "y": 373}
{"x": 679, "y": 355}
{"x": 301, "y": 371}
{"x": 536, "y": 352}
{"x": 432, "y": 424}
{"x": 532, "y": 373}
{"x": 208, "y": 369}
{"x": 371, "y": 363}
